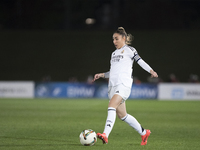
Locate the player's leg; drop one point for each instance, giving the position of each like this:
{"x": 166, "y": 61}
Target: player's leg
{"x": 111, "y": 116}
{"x": 115, "y": 101}
{"x": 121, "y": 112}
{"x": 129, "y": 119}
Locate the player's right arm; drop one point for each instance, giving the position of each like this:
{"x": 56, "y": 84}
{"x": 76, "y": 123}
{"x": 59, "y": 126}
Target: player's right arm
{"x": 101, "y": 75}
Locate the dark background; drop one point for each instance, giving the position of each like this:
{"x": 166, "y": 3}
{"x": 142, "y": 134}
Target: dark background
{"x": 49, "y": 39}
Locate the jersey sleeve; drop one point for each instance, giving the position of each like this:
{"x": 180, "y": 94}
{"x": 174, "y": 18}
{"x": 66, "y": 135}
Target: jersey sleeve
{"x": 136, "y": 57}
{"x": 107, "y": 74}
{"x": 144, "y": 65}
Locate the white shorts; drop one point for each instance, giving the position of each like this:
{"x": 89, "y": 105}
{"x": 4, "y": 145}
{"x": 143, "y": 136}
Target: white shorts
{"x": 121, "y": 90}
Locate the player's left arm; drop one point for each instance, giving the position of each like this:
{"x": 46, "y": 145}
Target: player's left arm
{"x": 144, "y": 65}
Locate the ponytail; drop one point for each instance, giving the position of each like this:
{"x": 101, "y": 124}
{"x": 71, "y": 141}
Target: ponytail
{"x": 123, "y": 33}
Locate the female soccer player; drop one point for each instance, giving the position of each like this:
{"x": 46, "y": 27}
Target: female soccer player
{"x": 120, "y": 83}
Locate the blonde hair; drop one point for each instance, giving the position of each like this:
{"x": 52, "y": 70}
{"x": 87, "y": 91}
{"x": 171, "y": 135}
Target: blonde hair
{"x": 123, "y": 33}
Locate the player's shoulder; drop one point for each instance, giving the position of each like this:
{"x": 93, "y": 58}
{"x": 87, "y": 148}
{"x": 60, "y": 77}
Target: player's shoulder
{"x": 130, "y": 48}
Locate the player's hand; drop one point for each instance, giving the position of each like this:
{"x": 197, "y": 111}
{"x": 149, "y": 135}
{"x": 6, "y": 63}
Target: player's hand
{"x": 153, "y": 74}
{"x": 97, "y": 76}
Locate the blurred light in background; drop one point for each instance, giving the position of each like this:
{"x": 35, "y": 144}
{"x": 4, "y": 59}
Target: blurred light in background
{"x": 90, "y": 21}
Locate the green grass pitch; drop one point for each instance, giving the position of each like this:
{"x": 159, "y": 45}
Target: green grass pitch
{"x": 55, "y": 124}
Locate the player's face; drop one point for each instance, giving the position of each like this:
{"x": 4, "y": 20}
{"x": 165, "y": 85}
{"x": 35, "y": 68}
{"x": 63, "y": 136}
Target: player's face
{"x": 118, "y": 40}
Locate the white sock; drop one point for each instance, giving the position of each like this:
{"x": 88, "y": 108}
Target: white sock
{"x": 134, "y": 124}
{"x": 110, "y": 121}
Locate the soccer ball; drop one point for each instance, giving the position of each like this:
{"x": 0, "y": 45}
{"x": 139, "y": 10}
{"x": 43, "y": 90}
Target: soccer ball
{"x": 88, "y": 137}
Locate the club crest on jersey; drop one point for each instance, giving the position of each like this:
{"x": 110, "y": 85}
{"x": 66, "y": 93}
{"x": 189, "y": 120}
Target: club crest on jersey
{"x": 122, "y": 52}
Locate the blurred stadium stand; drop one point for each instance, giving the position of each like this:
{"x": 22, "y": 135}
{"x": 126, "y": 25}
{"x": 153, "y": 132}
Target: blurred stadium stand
{"x": 49, "y": 40}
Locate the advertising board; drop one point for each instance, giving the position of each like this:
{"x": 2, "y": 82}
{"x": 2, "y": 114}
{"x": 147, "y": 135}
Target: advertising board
{"x": 144, "y": 91}
{"x": 64, "y": 90}
{"x": 180, "y": 91}
{"x": 82, "y": 90}
{"x": 17, "y": 89}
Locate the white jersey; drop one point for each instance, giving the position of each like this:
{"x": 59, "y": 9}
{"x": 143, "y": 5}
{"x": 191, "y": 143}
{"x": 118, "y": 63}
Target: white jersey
{"x": 121, "y": 66}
